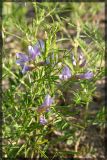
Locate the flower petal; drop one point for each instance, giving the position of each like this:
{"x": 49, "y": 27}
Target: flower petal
{"x": 42, "y": 120}
{"x": 48, "y": 101}
{"x": 22, "y": 57}
{"x": 66, "y": 73}
{"x": 25, "y": 69}
{"x": 33, "y": 52}
{"x": 87, "y": 75}
{"x": 82, "y": 60}
{"x": 20, "y": 62}
{"x": 45, "y": 107}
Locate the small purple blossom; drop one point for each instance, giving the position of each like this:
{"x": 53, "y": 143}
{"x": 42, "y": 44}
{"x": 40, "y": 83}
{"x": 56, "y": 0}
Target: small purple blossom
{"x": 22, "y": 58}
{"x": 66, "y": 73}
{"x": 36, "y": 50}
{"x": 42, "y": 120}
{"x": 81, "y": 60}
{"x": 33, "y": 53}
{"x": 48, "y": 101}
{"x": 46, "y": 104}
{"x": 87, "y": 75}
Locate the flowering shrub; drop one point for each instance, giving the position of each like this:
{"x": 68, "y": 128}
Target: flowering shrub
{"x": 51, "y": 86}
{"x": 65, "y": 75}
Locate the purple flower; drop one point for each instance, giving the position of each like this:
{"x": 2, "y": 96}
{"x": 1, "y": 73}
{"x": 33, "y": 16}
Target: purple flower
{"x": 42, "y": 120}
{"x": 81, "y": 60}
{"x": 25, "y": 69}
{"x": 46, "y": 104}
{"x": 87, "y": 75}
{"x": 22, "y": 58}
{"x": 33, "y": 53}
{"x": 66, "y": 73}
{"x": 48, "y": 101}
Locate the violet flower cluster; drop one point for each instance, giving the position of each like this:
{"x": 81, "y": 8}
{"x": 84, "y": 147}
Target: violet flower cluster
{"x": 66, "y": 73}
{"x": 33, "y": 52}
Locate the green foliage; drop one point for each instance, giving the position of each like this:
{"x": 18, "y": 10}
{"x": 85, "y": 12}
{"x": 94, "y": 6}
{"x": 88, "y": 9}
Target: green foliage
{"x": 23, "y": 135}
